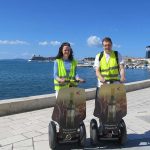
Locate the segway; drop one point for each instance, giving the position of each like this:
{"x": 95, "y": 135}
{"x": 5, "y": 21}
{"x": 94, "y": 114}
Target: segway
{"x": 110, "y": 108}
{"x": 69, "y": 113}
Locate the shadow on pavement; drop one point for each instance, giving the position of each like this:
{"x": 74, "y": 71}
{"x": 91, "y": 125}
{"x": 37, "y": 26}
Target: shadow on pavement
{"x": 134, "y": 140}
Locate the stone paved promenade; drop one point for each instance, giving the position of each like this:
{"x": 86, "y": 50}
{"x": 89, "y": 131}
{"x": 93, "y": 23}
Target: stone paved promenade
{"x": 29, "y": 131}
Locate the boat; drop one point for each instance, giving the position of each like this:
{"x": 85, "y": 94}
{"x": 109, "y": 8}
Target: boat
{"x": 85, "y": 64}
{"x": 41, "y": 59}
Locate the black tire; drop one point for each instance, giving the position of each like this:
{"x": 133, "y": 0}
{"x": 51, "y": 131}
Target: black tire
{"x": 100, "y": 128}
{"x": 52, "y": 135}
{"x": 93, "y": 132}
{"x": 82, "y": 137}
{"x": 123, "y": 133}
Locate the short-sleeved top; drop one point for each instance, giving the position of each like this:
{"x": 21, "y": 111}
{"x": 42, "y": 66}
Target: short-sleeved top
{"x": 97, "y": 63}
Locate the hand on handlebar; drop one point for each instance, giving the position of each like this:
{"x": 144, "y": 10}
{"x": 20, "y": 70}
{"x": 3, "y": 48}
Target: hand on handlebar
{"x": 112, "y": 81}
{"x": 62, "y": 80}
{"x": 81, "y": 80}
{"x": 102, "y": 80}
{"x": 122, "y": 79}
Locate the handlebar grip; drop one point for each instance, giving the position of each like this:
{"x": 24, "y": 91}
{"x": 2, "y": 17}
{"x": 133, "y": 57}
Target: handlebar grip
{"x": 111, "y": 81}
{"x": 77, "y": 81}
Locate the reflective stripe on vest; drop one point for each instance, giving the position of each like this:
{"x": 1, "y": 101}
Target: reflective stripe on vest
{"x": 109, "y": 70}
{"x": 62, "y": 74}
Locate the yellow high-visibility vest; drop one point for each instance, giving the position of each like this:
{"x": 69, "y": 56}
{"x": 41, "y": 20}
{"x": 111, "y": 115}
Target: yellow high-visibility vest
{"x": 109, "y": 70}
{"x": 62, "y": 74}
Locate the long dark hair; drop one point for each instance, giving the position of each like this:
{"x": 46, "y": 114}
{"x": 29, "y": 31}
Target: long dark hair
{"x": 60, "y": 53}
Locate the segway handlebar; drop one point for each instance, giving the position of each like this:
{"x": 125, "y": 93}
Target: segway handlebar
{"x": 111, "y": 81}
{"x": 77, "y": 81}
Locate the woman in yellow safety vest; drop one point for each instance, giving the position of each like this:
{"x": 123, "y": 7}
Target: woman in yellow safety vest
{"x": 65, "y": 68}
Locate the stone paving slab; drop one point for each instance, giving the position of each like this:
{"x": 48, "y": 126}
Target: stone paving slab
{"x": 29, "y": 131}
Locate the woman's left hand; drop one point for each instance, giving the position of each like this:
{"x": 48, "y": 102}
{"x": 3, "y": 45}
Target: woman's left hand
{"x": 81, "y": 80}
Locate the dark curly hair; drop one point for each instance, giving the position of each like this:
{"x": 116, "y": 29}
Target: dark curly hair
{"x": 60, "y": 53}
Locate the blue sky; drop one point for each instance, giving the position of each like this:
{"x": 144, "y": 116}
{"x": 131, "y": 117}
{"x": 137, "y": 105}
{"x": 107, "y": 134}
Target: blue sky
{"x": 30, "y": 27}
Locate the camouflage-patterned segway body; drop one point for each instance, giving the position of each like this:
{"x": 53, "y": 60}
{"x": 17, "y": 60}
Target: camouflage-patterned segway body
{"x": 110, "y": 108}
{"x": 69, "y": 112}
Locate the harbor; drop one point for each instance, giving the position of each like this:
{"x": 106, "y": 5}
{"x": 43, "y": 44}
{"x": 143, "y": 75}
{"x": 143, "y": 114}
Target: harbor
{"x": 130, "y": 62}
{"x": 20, "y": 78}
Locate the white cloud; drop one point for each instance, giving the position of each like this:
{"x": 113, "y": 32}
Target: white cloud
{"x": 13, "y": 42}
{"x": 71, "y": 43}
{"x": 52, "y": 43}
{"x": 44, "y": 43}
{"x": 116, "y": 45}
{"x": 94, "y": 41}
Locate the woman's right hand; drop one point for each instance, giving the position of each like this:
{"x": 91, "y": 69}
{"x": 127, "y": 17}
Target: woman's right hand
{"x": 81, "y": 80}
{"x": 61, "y": 80}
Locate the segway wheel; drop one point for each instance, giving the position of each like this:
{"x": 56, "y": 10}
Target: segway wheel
{"x": 52, "y": 135}
{"x": 82, "y": 139}
{"x": 93, "y": 132}
{"x": 123, "y": 133}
